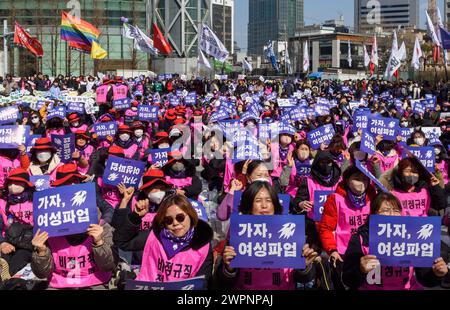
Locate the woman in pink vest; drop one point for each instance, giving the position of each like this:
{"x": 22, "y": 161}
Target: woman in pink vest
{"x": 10, "y": 159}
{"x": 141, "y": 138}
{"x": 417, "y": 189}
{"x": 280, "y": 153}
{"x": 442, "y": 160}
{"x": 181, "y": 174}
{"x": 354, "y": 153}
{"x": 359, "y": 263}
{"x": 124, "y": 140}
{"x": 387, "y": 154}
{"x": 16, "y": 213}
{"x": 343, "y": 213}
{"x": 83, "y": 260}
{"x": 261, "y": 199}
{"x": 83, "y": 151}
{"x": 44, "y": 160}
{"x": 75, "y": 123}
{"x": 337, "y": 147}
{"x": 176, "y": 248}
{"x": 55, "y": 126}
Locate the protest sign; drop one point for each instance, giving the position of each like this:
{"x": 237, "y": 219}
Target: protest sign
{"x": 122, "y": 170}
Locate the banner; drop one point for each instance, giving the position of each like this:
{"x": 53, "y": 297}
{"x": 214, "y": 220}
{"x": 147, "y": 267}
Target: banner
{"x": 122, "y": 170}
{"x": 105, "y": 129}
{"x": 406, "y": 241}
{"x": 387, "y": 127}
{"x": 9, "y": 115}
{"x": 148, "y": 113}
{"x": 57, "y": 112}
{"x": 41, "y": 182}
{"x": 75, "y": 107}
{"x": 320, "y": 197}
{"x": 65, "y": 146}
{"x": 192, "y": 284}
{"x": 368, "y": 174}
{"x": 122, "y": 104}
{"x": 405, "y": 133}
{"x": 65, "y": 210}
{"x": 247, "y": 147}
{"x": 23, "y": 38}
{"x": 323, "y": 134}
{"x": 13, "y": 136}
{"x": 424, "y": 154}
{"x": 159, "y": 156}
{"x": 367, "y": 143}
{"x": 432, "y": 132}
{"x": 191, "y": 98}
{"x": 268, "y": 241}
{"x": 211, "y": 45}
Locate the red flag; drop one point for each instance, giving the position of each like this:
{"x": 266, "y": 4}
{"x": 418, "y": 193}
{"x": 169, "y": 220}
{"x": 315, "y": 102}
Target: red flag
{"x": 396, "y": 74}
{"x": 372, "y": 68}
{"x": 22, "y": 38}
{"x": 436, "y": 52}
{"x": 160, "y": 42}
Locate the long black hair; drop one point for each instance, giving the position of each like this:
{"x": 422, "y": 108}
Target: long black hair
{"x": 248, "y": 196}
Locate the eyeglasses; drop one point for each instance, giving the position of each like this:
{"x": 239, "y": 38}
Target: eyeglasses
{"x": 168, "y": 220}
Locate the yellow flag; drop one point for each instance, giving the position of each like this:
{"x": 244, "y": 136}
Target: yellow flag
{"x": 97, "y": 52}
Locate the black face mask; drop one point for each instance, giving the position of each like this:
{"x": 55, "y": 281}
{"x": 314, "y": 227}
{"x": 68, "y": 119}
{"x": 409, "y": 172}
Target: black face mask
{"x": 325, "y": 169}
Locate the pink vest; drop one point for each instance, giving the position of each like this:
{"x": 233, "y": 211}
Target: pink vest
{"x": 22, "y": 212}
{"x": 387, "y": 163}
{"x": 414, "y": 204}
{"x": 120, "y": 91}
{"x": 392, "y": 278}
{"x": 314, "y": 186}
{"x": 179, "y": 183}
{"x": 6, "y": 165}
{"x": 265, "y": 279}
{"x": 87, "y": 154}
{"x": 348, "y": 222}
{"x": 102, "y": 94}
{"x": 129, "y": 152}
{"x": 229, "y": 174}
{"x": 143, "y": 145}
{"x": 443, "y": 167}
{"x": 83, "y": 127}
{"x": 109, "y": 193}
{"x": 74, "y": 266}
{"x": 156, "y": 267}
{"x": 278, "y": 164}
{"x": 50, "y": 132}
{"x": 295, "y": 181}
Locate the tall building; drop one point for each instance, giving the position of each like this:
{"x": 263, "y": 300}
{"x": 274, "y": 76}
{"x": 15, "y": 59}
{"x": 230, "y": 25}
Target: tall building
{"x": 275, "y": 20}
{"x": 447, "y": 13}
{"x": 385, "y": 15}
{"x": 43, "y": 19}
{"x": 221, "y": 8}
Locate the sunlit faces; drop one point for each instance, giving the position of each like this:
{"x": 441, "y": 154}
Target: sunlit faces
{"x": 177, "y": 221}
{"x": 262, "y": 204}
{"x": 302, "y": 152}
{"x": 260, "y": 173}
{"x": 387, "y": 208}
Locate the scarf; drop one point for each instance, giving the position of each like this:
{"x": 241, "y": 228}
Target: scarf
{"x": 357, "y": 202}
{"x": 300, "y": 166}
{"x": 21, "y": 198}
{"x": 283, "y": 153}
{"x": 81, "y": 149}
{"x": 125, "y": 145}
{"x": 173, "y": 245}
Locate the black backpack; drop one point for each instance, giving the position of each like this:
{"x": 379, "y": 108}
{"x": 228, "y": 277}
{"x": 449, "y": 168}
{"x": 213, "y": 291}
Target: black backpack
{"x": 19, "y": 234}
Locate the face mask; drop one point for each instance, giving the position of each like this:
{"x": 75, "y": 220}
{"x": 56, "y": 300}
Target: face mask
{"x": 357, "y": 187}
{"x": 134, "y": 109}
{"x": 411, "y": 180}
{"x": 437, "y": 151}
{"x": 124, "y": 137}
{"x": 260, "y": 180}
{"x": 345, "y": 118}
{"x": 164, "y": 146}
{"x": 303, "y": 155}
{"x": 358, "y": 155}
{"x": 76, "y": 124}
{"x": 177, "y": 167}
{"x": 44, "y": 156}
{"x": 15, "y": 189}
{"x": 156, "y": 197}
{"x": 325, "y": 169}
{"x": 419, "y": 141}
{"x": 405, "y": 124}
{"x": 35, "y": 120}
{"x": 138, "y": 133}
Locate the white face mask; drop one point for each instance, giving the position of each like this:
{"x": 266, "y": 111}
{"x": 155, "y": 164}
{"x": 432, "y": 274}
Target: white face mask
{"x": 43, "y": 156}
{"x": 76, "y": 124}
{"x": 405, "y": 124}
{"x": 437, "y": 151}
{"x": 260, "y": 180}
{"x": 360, "y": 155}
{"x": 156, "y": 197}
{"x": 124, "y": 137}
{"x": 138, "y": 133}
{"x": 419, "y": 141}
{"x": 15, "y": 189}
{"x": 164, "y": 146}
{"x": 303, "y": 155}
{"x": 35, "y": 120}
{"x": 177, "y": 167}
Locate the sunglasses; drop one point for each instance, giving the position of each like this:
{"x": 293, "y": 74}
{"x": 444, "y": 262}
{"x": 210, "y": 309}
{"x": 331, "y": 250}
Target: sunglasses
{"x": 168, "y": 220}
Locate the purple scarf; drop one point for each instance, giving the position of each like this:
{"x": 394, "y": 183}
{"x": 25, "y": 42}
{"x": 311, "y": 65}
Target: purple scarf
{"x": 356, "y": 201}
{"x": 283, "y": 153}
{"x": 300, "y": 166}
{"x": 21, "y": 198}
{"x": 173, "y": 245}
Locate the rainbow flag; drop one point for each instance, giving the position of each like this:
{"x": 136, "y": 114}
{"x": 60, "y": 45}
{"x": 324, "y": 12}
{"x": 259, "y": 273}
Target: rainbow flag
{"x": 77, "y": 30}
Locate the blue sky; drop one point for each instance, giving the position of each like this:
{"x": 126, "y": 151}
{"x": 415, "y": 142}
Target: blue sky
{"x": 316, "y": 11}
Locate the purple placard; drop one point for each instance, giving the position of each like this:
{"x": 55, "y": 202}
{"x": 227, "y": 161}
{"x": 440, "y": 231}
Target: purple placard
{"x": 405, "y": 240}
{"x": 65, "y": 146}
{"x": 320, "y": 197}
{"x": 58, "y": 112}
{"x": 75, "y": 107}
{"x": 192, "y": 284}
{"x": 105, "y": 129}
{"x": 405, "y": 133}
{"x": 367, "y": 173}
{"x": 148, "y": 113}
{"x": 323, "y": 134}
{"x": 264, "y": 241}
{"x": 41, "y": 182}
{"x": 159, "y": 156}
{"x": 360, "y": 119}
{"x": 122, "y": 104}
{"x": 65, "y": 210}
{"x": 191, "y": 98}
{"x": 9, "y": 115}
{"x": 367, "y": 143}
{"x": 200, "y": 208}
{"x": 31, "y": 140}
{"x": 122, "y": 170}
{"x": 13, "y": 136}
{"x": 387, "y": 127}
{"x": 424, "y": 154}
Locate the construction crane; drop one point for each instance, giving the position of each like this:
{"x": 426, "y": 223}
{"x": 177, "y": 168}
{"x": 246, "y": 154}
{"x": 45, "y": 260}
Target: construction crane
{"x": 432, "y": 11}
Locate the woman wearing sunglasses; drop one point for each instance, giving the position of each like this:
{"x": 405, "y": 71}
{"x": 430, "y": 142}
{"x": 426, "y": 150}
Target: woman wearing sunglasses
{"x": 36, "y": 125}
{"x": 176, "y": 248}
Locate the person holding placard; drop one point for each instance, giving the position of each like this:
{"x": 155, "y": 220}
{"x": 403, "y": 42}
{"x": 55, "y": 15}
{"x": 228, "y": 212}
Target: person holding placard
{"x": 140, "y": 137}
{"x": 386, "y": 153}
{"x": 177, "y": 247}
{"x": 75, "y": 123}
{"x": 124, "y": 140}
{"x": 363, "y": 271}
{"x": 83, "y": 151}
{"x": 44, "y": 160}
{"x": 343, "y": 212}
{"x": 16, "y": 222}
{"x": 261, "y": 199}
{"x": 56, "y": 126}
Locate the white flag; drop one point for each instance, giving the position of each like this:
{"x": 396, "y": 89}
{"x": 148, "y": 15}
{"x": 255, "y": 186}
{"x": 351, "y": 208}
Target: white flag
{"x": 402, "y": 51}
{"x": 366, "y": 57}
{"x": 211, "y": 45}
{"x": 395, "y": 61}
{"x": 305, "y": 57}
{"x": 141, "y": 41}
{"x": 349, "y": 57}
{"x": 416, "y": 55}
{"x": 394, "y": 42}
{"x": 438, "y": 31}
{"x": 374, "y": 56}
{"x": 202, "y": 60}
{"x": 246, "y": 65}
{"x": 432, "y": 31}
{"x": 288, "y": 61}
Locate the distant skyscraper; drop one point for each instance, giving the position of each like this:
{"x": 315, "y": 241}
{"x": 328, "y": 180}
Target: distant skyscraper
{"x": 218, "y": 9}
{"x": 447, "y": 13}
{"x": 386, "y": 14}
{"x": 274, "y": 20}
